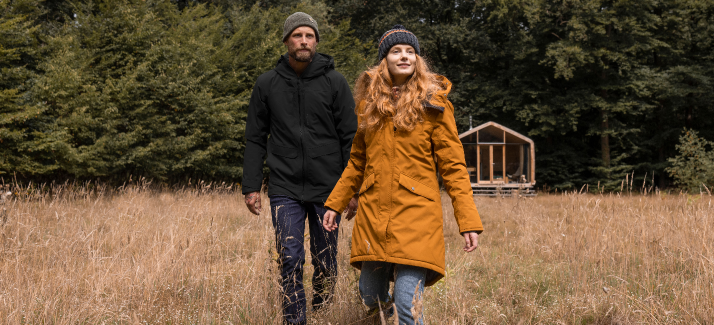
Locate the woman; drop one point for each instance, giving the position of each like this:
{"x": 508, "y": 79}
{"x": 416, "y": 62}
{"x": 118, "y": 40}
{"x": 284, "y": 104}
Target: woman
{"x": 406, "y": 131}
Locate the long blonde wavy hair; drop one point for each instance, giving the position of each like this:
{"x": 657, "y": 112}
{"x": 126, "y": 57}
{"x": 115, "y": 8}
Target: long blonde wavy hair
{"x": 374, "y": 86}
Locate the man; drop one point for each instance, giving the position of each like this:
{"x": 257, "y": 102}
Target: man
{"x": 307, "y": 109}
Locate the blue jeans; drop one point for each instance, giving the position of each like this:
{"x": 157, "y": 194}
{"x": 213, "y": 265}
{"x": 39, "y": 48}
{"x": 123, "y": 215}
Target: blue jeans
{"x": 289, "y": 217}
{"x": 374, "y": 287}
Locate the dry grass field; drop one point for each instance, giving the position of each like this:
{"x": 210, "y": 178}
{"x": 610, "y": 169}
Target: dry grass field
{"x": 84, "y": 254}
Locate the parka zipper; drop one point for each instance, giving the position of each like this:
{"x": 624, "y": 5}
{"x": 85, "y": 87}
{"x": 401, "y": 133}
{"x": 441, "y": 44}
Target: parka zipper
{"x": 393, "y": 141}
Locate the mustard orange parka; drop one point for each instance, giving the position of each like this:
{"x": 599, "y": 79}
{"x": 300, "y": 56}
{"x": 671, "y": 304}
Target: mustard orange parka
{"x": 399, "y": 219}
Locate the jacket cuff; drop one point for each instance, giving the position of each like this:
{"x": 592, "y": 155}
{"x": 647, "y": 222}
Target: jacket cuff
{"x": 468, "y": 231}
{"x": 248, "y": 189}
{"x": 339, "y": 211}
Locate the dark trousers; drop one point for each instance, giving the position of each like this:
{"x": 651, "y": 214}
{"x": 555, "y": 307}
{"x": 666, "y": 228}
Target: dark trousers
{"x": 288, "y": 217}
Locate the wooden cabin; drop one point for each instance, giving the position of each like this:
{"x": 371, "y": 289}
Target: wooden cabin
{"x": 499, "y": 160}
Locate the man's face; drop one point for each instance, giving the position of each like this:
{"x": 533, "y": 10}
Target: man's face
{"x": 302, "y": 44}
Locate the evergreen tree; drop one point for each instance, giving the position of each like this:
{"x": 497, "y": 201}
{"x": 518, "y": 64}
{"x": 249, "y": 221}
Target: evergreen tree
{"x": 19, "y": 114}
{"x": 679, "y": 81}
{"x": 158, "y": 90}
{"x": 693, "y": 167}
{"x": 579, "y": 76}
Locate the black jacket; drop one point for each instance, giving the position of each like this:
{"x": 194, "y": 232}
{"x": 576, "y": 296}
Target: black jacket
{"x": 311, "y": 122}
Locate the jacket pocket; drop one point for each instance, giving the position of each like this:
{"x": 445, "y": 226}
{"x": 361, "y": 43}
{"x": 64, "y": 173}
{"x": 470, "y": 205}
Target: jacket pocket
{"x": 283, "y": 151}
{"x": 367, "y": 183}
{"x": 327, "y": 149}
{"x": 418, "y": 188}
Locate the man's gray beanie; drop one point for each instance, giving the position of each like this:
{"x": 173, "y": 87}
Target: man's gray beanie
{"x": 296, "y": 20}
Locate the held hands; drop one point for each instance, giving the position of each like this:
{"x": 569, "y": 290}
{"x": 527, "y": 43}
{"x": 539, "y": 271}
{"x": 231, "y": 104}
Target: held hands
{"x": 471, "y": 239}
{"x": 253, "y": 202}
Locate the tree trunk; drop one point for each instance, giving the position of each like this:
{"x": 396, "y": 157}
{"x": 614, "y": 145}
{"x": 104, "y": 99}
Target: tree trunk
{"x": 662, "y": 179}
{"x": 604, "y": 126}
{"x": 604, "y": 139}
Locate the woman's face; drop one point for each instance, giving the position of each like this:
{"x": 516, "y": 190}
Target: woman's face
{"x": 401, "y": 61}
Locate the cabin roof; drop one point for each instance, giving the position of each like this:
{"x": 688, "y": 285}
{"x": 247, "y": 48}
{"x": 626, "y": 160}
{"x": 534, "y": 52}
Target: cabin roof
{"x": 493, "y": 126}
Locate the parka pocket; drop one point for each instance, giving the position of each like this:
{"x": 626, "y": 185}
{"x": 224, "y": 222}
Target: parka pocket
{"x": 324, "y": 166}
{"x": 366, "y": 184}
{"x": 322, "y": 150}
{"x": 283, "y": 151}
{"x": 418, "y": 188}
{"x": 283, "y": 163}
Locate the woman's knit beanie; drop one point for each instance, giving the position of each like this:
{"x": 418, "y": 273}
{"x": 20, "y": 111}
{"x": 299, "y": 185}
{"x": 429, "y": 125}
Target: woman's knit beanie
{"x": 397, "y": 35}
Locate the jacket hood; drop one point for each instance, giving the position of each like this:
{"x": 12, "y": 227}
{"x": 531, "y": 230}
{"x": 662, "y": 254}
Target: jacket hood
{"x": 320, "y": 65}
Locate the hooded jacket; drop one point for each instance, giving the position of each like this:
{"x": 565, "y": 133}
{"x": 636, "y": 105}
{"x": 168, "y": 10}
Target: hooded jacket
{"x": 399, "y": 218}
{"x": 311, "y": 123}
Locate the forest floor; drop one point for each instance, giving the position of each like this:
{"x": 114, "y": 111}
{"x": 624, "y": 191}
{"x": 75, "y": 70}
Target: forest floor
{"x": 196, "y": 255}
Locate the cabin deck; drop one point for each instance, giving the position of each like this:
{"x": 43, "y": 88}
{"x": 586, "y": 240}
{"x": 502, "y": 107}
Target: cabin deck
{"x": 503, "y": 189}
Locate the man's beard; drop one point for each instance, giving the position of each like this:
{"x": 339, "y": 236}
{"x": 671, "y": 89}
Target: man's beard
{"x": 301, "y": 56}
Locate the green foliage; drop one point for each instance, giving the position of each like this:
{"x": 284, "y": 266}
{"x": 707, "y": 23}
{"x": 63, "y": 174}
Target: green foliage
{"x": 146, "y": 88}
{"x": 18, "y": 113}
{"x": 136, "y": 89}
{"x": 694, "y": 165}
{"x": 602, "y": 86}
{"x": 100, "y": 88}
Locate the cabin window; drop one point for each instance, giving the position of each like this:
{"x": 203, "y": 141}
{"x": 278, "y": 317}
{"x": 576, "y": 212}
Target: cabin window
{"x": 526, "y": 162}
{"x": 490, "y": 135}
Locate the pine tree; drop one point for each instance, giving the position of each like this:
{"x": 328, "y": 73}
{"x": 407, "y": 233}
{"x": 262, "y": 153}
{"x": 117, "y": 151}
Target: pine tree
{"x": 693, "y": 166}
{"x": 19, "y": 114}
{"x": 603, "y": 87}
{"x": 158, "y": 90}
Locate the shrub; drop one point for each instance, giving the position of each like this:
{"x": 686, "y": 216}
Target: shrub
{"x": 694, "y": 165}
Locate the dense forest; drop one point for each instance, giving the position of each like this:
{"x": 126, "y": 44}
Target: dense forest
{"x": 159, "y": 89}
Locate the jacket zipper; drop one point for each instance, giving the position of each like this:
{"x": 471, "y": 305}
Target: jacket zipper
{"x": 393, "y": 141}
{"x": 302, "y": 144}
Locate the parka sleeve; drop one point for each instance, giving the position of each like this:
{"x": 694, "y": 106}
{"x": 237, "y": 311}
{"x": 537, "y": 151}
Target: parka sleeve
{"x": 256, "y": 135}
{"x": 452, "y": 167}
{"x": 352, "y": 176}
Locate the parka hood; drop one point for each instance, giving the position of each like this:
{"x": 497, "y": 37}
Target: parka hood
{"x": 320, "y": 65}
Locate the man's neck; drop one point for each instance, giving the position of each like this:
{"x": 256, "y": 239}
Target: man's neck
{"x": 298, "y": 67}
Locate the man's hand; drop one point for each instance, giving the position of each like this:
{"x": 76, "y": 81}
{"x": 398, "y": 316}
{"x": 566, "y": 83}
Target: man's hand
{"x": 253, "y": 202}
{"x": 351, "y": 210}
{"x": 471, "y": 239}
{"x": 329, "y": 221}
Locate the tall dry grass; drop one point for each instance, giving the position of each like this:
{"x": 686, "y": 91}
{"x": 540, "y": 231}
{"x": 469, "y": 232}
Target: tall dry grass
{"x": 85, "y": 254}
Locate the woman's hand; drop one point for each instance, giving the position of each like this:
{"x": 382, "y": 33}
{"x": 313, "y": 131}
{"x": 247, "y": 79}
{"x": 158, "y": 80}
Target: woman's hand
{"x": 471, "y": 239}
{"x": 329, "y": 220}
{"x": 351, "y": 210}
